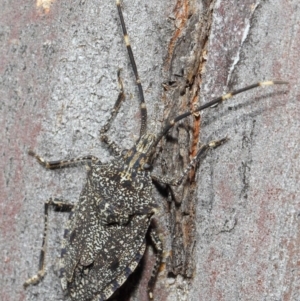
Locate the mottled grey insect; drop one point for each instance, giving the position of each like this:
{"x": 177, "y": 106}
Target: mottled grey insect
{"x": 104, "y": 238}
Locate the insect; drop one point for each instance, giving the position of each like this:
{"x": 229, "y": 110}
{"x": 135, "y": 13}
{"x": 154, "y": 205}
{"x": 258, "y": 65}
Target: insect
{"x": 104, "y": 238}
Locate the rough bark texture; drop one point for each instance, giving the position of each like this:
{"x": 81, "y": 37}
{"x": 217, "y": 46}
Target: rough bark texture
{"x": 232, "y": 229}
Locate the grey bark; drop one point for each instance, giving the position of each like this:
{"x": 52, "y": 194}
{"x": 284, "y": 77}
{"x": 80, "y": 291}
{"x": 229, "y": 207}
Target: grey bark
{"x": 231, "y": 231}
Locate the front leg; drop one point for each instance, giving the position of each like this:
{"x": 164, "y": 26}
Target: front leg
{"x": 203, "y": 149}
{"x": 116, "y": 150}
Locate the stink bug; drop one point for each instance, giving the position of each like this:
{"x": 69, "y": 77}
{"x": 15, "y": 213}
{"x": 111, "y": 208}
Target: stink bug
{"x": 104, "y": 239}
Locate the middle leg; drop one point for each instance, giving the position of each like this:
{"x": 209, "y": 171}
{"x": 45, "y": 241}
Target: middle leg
{"x": 61, "y": 163}
{"x": 157, "y": 244}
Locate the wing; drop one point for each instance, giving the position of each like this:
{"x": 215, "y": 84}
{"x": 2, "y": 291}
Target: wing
{"x": 122, "y": 276}
{"x": 81, "y": 239}
{"x": 112, "y": 266}
{"x": 97, "y": 258}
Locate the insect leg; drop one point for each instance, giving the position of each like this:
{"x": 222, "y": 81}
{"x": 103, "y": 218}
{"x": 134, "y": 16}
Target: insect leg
{"x": 58, "y": 205}
{"x": 61, "y": 163}
{"x": 203, "y": 149}
{"x": 159, "y": 250}
{"x": 111, "y": 144}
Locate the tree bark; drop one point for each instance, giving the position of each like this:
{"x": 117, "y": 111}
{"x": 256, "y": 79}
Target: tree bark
{"x": 231, "y": 230}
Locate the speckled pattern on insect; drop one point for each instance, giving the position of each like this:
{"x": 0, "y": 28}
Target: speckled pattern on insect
{"x": 104, "y": 238}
